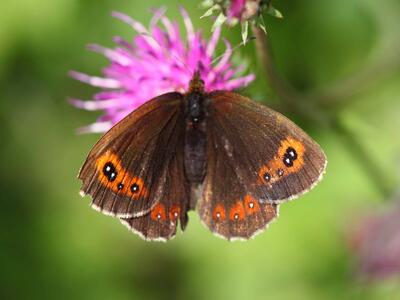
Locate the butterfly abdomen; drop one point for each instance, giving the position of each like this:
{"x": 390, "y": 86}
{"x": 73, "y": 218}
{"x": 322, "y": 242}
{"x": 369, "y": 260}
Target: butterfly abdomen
{"x": 195, "y": 137}
{"x": 195, "y": 155}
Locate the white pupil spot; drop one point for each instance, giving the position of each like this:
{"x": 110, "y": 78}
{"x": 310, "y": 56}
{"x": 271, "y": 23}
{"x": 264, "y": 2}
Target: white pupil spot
{"x": 251, "y": 204}
{"x": 159, "y": 216}
{"x": 291, "y": 153}
{"x": 236, "y": 216}
{"x": 218, "y": 215}
{"x": 287, "y": 160}
{"x": 108, "y": 168}
{"x": 175, "y": 214}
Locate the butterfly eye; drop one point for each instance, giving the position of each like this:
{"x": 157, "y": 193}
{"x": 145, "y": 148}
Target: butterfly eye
{"x": 109, "y": 171}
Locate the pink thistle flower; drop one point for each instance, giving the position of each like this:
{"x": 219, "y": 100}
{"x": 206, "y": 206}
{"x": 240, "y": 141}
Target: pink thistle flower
{"x": 158, "y": 60}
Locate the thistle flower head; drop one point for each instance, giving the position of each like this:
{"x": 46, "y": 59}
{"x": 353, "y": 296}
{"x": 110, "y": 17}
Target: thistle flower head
{"x": 243, "y": 9}
{"x": 156, "y": 61}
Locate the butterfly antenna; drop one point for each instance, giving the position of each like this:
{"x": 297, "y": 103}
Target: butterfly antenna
{"x": 230, "y": 51}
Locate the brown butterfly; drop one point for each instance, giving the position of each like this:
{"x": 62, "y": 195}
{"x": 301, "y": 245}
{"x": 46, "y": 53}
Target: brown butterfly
{"x": 244, "y": 159}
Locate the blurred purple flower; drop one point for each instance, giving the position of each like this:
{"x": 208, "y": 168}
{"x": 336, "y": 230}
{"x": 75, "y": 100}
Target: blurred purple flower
{"x": 236, "y": 8}
{"x": 376, "y": 243}
{"x": 244, "y": 9}
{"x": 158, "y": 60}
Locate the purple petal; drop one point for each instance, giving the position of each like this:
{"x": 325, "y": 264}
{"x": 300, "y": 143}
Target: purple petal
{"x": 95, "y": 81}
{"x": 97, "y": 127}
{"x": 111, "y": 54}
{"x": 188, "y": 24}
{"x": 213, "y": 41}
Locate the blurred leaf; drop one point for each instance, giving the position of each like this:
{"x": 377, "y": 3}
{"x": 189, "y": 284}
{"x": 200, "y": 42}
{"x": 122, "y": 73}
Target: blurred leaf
{"x": 219, "y": 21}
{"x": 274, "y": 12}
{"x": 245, "y": 31}
{"x": 260, "y": 23}
{"x": 210, "y": 11}
{"x": 206, "y": 3}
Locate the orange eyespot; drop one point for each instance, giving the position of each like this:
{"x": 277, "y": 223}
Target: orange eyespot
{"x": 251, "y": 205}
{"x": 174, "y": 212}
{"x": 265, "y": 175}
{"x": 291, "y": 154}
{"x": 158, "y": 213}
{"x": 112, "y": 175}
{"x": 237, "y": 212}
{"x": 289, "y": 159}
{"x": 219, "y": 213}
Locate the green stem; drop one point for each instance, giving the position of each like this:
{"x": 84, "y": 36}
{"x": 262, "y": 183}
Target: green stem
{"x": 366, "y": 162}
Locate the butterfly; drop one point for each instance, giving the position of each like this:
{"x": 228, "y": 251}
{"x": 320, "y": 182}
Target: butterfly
{"x": 230, "y": 158}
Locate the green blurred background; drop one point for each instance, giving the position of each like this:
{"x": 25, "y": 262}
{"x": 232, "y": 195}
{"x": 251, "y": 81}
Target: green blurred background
{"x": 53, "y": 246}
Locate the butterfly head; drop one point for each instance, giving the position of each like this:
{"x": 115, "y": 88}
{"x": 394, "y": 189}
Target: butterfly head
{"x": 196, "y": 85}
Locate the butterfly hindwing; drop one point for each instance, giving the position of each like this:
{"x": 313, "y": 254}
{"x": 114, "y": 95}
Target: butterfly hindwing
{"x": 161, "y": 222}
{"x": 273, "y": 158}
{"x": 126, "y": 171}
{"x": 226, "y": 207}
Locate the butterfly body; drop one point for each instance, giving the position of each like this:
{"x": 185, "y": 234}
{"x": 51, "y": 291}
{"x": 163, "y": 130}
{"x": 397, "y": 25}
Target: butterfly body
{"x": 195, "y": 109}
{"x": 246, "y": 158}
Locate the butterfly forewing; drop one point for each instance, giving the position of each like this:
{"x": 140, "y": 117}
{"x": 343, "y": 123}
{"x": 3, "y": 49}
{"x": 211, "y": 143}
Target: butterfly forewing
{"x": 125, "y": 172}
{"x": 273, "y": 158}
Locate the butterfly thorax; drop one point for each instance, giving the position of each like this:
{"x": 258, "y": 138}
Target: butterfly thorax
{"x": 194, "y": 100}
{"x": 195, "y": 107}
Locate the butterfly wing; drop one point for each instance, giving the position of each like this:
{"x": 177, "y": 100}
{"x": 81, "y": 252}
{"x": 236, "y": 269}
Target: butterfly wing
{"x": 126, "y": 171}
{"x": 257, "y": 159}
{"x": 226, "y": 207}
{"x": 274, "y": 158}
{"x": 161, "y": 222}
